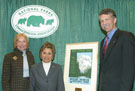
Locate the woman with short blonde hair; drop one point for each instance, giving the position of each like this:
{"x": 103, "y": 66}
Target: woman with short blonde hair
{"x": 18, "y": 36}
{"x": 16, "y": 66}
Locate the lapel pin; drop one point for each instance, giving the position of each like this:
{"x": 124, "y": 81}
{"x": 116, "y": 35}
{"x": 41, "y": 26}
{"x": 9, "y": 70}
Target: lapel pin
{"x": 15, "y": 58}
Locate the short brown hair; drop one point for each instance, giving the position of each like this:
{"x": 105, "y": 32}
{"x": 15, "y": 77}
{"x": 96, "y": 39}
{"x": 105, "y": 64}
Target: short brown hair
{"x": 107, "y": 11}
{"x": 47, "y": 45}
{"x": 18, "y": 36}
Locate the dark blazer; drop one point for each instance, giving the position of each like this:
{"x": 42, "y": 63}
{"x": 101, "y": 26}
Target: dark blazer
{"x": 117, "y": 67}
{"x": 52, "y": 82}
{"x": 12, "y": 75}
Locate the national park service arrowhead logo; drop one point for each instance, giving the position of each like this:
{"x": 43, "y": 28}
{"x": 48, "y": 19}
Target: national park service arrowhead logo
{"x": 35, "y": 21}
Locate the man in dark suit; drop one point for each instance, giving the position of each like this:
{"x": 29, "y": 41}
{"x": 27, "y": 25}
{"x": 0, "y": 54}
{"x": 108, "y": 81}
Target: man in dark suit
{"x": 117, "y": 55}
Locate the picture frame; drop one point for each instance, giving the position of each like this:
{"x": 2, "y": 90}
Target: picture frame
{"x": 81, "y": 63}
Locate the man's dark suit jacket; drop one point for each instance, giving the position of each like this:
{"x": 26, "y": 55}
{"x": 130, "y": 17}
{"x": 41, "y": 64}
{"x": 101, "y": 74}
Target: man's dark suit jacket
{"x": 12, "y": 76}
{"x": 39, "y": 81}
{"x": 117, "y": 67}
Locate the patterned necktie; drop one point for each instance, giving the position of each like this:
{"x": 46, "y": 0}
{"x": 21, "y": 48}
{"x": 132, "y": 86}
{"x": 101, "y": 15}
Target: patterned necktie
{"x": 105, "y": 45}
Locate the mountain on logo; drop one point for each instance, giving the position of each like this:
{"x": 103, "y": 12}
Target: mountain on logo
{"x": 35, "y": 21}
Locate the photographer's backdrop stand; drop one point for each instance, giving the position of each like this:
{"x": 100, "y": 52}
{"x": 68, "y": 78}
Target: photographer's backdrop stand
{"x": 78, "y": 23}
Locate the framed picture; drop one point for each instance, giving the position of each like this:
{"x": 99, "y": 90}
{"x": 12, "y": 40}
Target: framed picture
{"x": 80, "y": 71}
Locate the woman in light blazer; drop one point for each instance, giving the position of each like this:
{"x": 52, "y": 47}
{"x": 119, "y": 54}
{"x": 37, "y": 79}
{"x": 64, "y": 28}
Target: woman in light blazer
{"x": 46, "y": 75}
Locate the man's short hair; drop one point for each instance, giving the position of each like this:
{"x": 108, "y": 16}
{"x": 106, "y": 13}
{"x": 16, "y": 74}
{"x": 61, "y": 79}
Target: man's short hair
{"x": 107, "y": 11}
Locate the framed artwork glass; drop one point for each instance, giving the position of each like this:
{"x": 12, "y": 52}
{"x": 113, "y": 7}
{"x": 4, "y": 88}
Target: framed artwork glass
{"x": 80, "y": 70}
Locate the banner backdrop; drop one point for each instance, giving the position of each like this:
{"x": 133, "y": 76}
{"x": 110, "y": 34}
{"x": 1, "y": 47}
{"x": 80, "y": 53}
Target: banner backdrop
{"x": 78, "y": 22}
